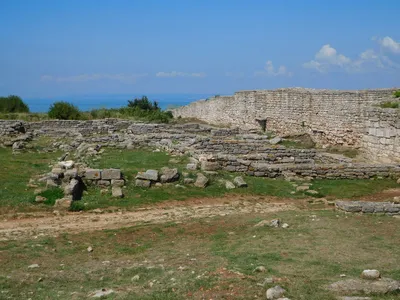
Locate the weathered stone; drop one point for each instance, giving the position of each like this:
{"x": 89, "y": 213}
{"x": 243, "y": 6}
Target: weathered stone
{"x": 109, "y": 174}
{"x": 201, "y": 181}
{"x": 51, "y": 183}
{"x": 103, "y": 183}
{"x": 72, "y": 187}
{"x": 93, "y": 174}
{"x": 275, "y": 293}
{"x": 102, "y": 293}
{"x": 191, "y": 166}
{"x": 58, "y": 171}
{"x": 371, "y": 274}
{"x": 63, "y": 203}
{"x": 188, "y": 180}
{"x": 148, "y": 175}
{"x": 302, "y": 188}
{"x": 142, "y": 183}
{"x": 239, "y": 181}
{"x": 210, "y": 166}
{"x": 117, "y": 192}
{"x": 69, "y": 174}
{"x": 275, "y": 140}
{"x": 168, "y": 175}
{"x": 365, "y": 286}
{"x": 118, "y": 182}
{"x": 69, "y": 164}
{"x": 229, "y": 185}
{"x": 40, "y": 199}
{"x": 350, "y": 206}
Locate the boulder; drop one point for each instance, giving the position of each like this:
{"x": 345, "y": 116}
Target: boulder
{"x": 188, "y": 180}
{"x": 191, "y": 166}
{"x": 275, "y": 293}
{"x": 69, "y": 164}
{"x": 201, "y": 181}
{"x": 40, "y": 199}
{"x": 148, "y": 175}
{"x": 365, "y": 286}
{"x": 371, "y": 274}
{"x": 71, "y": 188}
{"x": 142, "y": 183}
{"x": 69, "y": 174}
{"x": 109, "y": 174}
{"x": 169, "y": 175}
{"x": 275, "y": 140}
{"x": 210, "y": 166}
{"x": 117, "y": 192}
{"x": 93, "y": 174}
{"x": 239, "y": 182}
{"x": 63, "y": 203}
{"x": 229, "y": 185}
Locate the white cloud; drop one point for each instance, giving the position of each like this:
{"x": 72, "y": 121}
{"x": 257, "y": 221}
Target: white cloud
{"x": 92, "y": 77}
{"x": 390, "y": 44}
{"x": 271, "y": 71}
{"x": 180, "y": 74}
{"x": 327, "y": 57}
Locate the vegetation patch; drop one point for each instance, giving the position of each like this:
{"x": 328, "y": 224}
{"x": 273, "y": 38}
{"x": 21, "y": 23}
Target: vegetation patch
{"x": 13, "y": 104}
{"x": 390, "y": 104}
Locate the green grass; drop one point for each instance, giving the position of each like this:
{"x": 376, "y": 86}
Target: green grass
{"x": 390, "y": 104}
{"x": 213, "y": 258}
{"x": 348, "y": 152}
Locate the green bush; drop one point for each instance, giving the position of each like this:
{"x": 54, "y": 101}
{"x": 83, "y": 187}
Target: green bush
{"x": 396, "y": 94}
{"x": 390, "y": 104}
{"x": 143, "y": 104}
{"x": 64, "y": 111}
{"x": 13, "y": 104}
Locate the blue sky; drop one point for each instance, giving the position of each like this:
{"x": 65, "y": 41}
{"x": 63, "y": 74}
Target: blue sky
{"x": 51, "y": 48}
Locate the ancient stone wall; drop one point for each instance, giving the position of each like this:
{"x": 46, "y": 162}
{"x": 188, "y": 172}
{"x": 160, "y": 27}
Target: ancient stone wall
{"x": 333, "y": 117}
{"x": 381, "y": 139}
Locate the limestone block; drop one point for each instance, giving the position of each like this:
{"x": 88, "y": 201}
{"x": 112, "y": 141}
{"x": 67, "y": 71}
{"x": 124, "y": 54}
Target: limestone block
{"x": 109, "y": 174}
{"x": 117, "y": 192}
{"x": 148, "y": 175}
{"x": 142, "y": 183}
{"x": 93, "y": 174}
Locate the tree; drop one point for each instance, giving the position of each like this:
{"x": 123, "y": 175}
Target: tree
{"x": 143, "y": 104}
{"x": 13, "y": 104}
{"x": 64, "y": 111}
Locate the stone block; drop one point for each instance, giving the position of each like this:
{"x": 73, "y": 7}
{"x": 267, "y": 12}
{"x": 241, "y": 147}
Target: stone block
{"x": 103, "y": 183}
{"x": 201, "y": 181}
{"x": 210, "y": 166}
{"x": 109, "y": 174}
{"x": 239, "y": 181}
{"x": 93, "y": 174}
{"x": 64, "y": 203}
{"x": 169, "y": 175}
{"x": 142, "y": 183}
{"x": 148, "y": 175}
{"x": 117, "y": 192}
{"x": 118, "y": 182}
{"x": 191, "y": 166}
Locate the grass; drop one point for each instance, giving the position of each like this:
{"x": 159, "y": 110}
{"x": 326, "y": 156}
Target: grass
{"x": 204, "y": 259}
{"x": 390, "y": 104}
{"x": 346, "y": 151}
{"x": 19, "y": 168}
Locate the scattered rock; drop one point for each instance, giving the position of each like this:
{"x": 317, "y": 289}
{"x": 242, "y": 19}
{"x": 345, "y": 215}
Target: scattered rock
{"x": 33, "y": 266}
{"x": 260, "y": 269}
{"x": 188, "y": 180}
{"x": 40, "y": 199}
{"x": 239, "y": 182}
{"x": 102, "y": 293}
{"x": 63, "y": 203}
{"x": 275, "y": 140}
{"x": 302, "y": 188}
{"x": 201, "y": 181}
{"x": 398, "y": 181}
{"x": 191, "y": 166}
{"x": 89, "y": 249}
{"x": 364, "y": 286}
{"x": 275, "y": 292}
{"x": 116, "y": 192}
{"x": 285, "y": 225}
{"x": 229, "y": 185}
{"x": 370, "y": 274}
{"x": 135, "y": 278}
{"x": 118, "y": 182}
{"x": 142, "y": 183}
{"x": 210, "y": 166}
{"x": 69, "y": 164}
{"x": 169, "y": 175}
{"x": 148, "y": 175}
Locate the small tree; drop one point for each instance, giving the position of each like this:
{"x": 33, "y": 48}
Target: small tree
{"x": 64, "y": 111}
{"x": 13, "y": 104}
{"x": 396, "y": 94}
{"x": 143, "y": 104}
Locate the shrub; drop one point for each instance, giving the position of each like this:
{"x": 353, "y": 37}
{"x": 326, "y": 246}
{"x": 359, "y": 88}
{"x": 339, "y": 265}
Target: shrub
{"x": 13, "y": 104}
{"x": 64, "y": 111}
{"x": 390, "y": 104}
{"x": 396, "y": 94}
{"x": 143, "y": 103}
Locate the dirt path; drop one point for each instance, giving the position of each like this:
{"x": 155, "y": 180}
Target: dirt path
{"x": 45, "y": 224}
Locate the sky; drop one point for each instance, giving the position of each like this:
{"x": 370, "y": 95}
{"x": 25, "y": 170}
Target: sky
{"x": 53, "y": 48}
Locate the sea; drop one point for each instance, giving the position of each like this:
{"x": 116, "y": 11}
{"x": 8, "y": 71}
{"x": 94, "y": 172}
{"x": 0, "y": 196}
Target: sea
{"x": 89, "y": 102}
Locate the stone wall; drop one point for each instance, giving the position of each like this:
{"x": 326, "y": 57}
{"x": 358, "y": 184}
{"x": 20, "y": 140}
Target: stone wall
{"x": 333, "y": 117}
{"x": 381, "y": 139}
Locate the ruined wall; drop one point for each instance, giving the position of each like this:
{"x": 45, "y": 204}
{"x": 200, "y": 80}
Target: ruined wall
{"x": 334, "y": 117}
{"x": 381, "y": 139}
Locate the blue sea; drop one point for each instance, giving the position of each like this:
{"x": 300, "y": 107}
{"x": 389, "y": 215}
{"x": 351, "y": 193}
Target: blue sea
{"x": 89, "y": 102}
